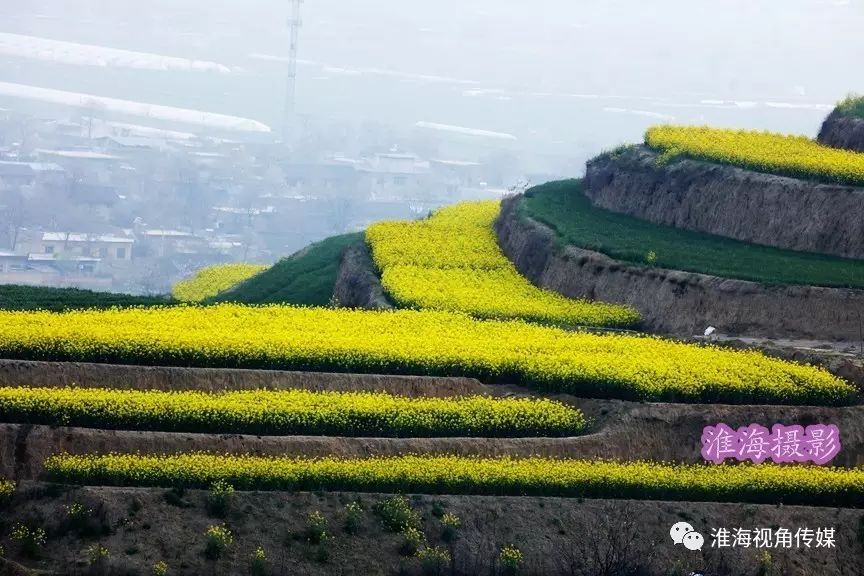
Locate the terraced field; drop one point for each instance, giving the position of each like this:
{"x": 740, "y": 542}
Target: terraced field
{"x": 290, "y": 412}
{"x": 796, "y": 156}
{"x": 452, "y": 262}
{"x": 158, "y": 464}
{"x": 420, "y": 343}
{"x": 564, "y": 207}
{"x": 458, "y": 475}
{"x": 134, "y": 453}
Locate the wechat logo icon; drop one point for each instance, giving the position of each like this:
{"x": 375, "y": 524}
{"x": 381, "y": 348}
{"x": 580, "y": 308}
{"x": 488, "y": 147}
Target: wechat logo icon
{"x": 684, "y": 533}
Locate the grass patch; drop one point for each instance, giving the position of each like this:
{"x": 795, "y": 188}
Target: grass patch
{"x": 305, "y": 278}
{"x": 15, "y": 297}
{"x": 852, "y": 105}
{"x": 536, "y": 476}
{"x": 563, "y": 206}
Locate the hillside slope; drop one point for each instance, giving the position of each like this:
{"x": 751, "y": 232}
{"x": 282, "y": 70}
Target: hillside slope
{"x": 670, "y": 301}
{"x": 306, "y": 277}
{"x": 564, "y": 207}
{"x": 728, "y": 201}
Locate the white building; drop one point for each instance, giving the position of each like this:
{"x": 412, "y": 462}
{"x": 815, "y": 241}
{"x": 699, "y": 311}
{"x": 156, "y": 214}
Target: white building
{"x": 101, "y": 246}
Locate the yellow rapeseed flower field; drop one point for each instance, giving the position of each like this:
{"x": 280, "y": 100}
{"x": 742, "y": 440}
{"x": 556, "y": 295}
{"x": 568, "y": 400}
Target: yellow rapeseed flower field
{"x": 766, "y": 483}
{"x": 452, "y": 261}
{"x": 289, "y": 412}
{"x": 796, "y": 156}
{"x": 418, "y": 342}
{"x": 213, "y": 280}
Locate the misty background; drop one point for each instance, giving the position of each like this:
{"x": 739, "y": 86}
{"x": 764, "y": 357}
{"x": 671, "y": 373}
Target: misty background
{"x": 559, "y": 75}
{"x": 401, "y": 106}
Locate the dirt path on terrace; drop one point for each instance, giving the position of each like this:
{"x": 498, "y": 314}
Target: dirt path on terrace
{"x": 47, "y": 374}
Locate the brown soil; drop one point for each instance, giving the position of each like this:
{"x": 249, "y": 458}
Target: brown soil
{"x": 557, "y": 536}
{"x": 357, "y": 284}
{"x": 839, "y": 131}
{"x": 730, "y": 202}
{"x": 45, "y": 374}
{"x": 676, "y": 302}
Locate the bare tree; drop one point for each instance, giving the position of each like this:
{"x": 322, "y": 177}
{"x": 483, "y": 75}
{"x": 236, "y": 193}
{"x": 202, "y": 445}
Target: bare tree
{"x": 614, "y": 546}
{"x": 12, "y": 216}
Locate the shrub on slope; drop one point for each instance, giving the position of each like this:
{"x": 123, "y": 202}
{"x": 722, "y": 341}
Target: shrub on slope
{"x": 852, "y": 105}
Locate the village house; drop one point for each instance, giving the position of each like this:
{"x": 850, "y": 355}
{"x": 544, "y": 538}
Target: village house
{"x": 101, "y": 246}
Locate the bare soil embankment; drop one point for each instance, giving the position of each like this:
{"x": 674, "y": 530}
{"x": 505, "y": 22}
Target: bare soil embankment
{"x": 92, "y": 375}
{"x": 841, "y": 131}
{"x": 357, "y": 284}
{"x": 731, "y": 202}
{"x": 677, "y": 302}
{"x": 558, "y": 536}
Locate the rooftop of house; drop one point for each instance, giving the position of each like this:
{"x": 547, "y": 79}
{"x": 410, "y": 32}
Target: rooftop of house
{"x": 456, "y": 163}
{"x": 79, "y": 154}
{"x": 13, "y": 168}
{"x": 39, "y": 257}
{"x": 136, "y": 142}
{"x": 168, "y": 233}
{"x": 83, "y": 237}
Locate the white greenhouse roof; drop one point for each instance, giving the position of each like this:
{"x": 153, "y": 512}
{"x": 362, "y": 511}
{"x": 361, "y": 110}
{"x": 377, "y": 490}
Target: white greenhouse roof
{"x": 131, "y": 108}
{"x": 49, "y": 50}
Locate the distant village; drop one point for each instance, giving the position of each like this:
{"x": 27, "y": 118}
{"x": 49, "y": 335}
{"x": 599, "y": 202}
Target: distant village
{"x": 114, "y": 206}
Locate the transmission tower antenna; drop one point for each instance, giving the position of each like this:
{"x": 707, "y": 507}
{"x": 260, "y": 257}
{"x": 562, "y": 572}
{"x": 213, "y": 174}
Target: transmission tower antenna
{"x": 294, "y": 24}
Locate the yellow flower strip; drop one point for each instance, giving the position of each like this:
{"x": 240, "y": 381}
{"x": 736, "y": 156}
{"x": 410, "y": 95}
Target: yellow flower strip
{"x": 796, "y": 156}
{"x": 6, "y": 490}
{"x": 213, "y": 280}
{"x": 417, "y": 342}
{"x": 766, "y": 483}
{"x": 478, "y": 293}
{"x": 290, "y": 412}
{"x": 452, "y": 262}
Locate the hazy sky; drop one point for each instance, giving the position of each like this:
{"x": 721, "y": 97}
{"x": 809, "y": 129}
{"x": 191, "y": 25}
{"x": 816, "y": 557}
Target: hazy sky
{"x": 741, "y": 47}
